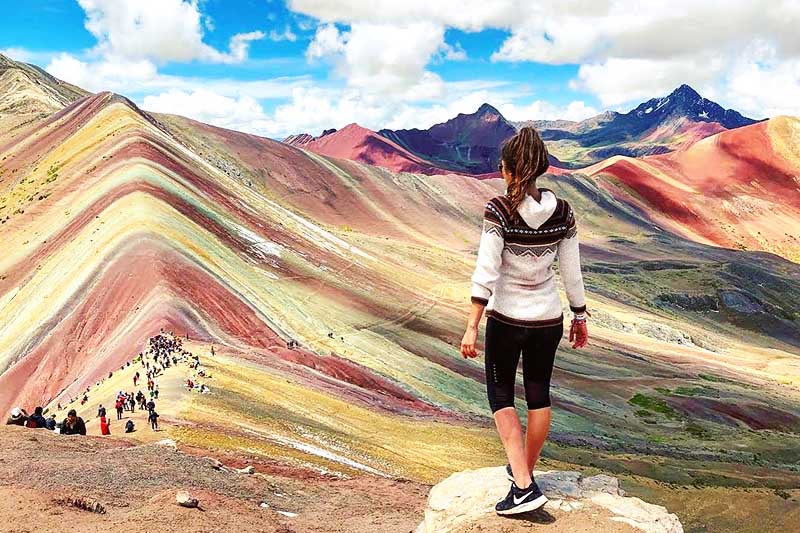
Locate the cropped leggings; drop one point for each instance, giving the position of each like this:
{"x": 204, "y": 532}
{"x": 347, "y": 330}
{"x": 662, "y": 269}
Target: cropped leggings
{"x": 504, "y": 343}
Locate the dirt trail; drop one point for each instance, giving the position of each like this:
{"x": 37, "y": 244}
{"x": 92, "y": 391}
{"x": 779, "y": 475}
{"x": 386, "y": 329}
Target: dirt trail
{"x": 171, "y": 400}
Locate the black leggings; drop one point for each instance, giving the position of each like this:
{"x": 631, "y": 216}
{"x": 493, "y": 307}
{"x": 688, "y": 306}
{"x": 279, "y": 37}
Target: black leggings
{"x": 504, "y": 342}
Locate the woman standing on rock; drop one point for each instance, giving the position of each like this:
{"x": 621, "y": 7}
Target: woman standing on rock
{"x": 524, "y": 231}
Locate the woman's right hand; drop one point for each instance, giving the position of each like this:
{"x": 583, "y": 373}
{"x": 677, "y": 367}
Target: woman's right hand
{"x": 578, "y": 333}
{"x": 468, "y": 343}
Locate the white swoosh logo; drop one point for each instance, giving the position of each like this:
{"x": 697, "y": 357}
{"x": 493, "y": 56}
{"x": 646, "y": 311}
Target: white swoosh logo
{"x": 517, "y": 502}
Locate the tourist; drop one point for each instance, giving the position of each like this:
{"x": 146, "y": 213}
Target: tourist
{"x": 51, "y": 423}
{"x": 36, "y": 420}
{"x": 73, "y": 424}
{"x": 151, "y": 405}
{"x": 101, "y": 411}
{"x": 119, "y": 407}
{"x": 104, "y": 426}
{"x": 18, "y": 417}
{"x": 525, "y": 312}
{"x": 153, "y": 419}
{"x": 129, "y": 426}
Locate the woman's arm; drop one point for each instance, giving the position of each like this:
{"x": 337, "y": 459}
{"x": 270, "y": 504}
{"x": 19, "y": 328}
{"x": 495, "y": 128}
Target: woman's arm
{"x": 569, "y": 263}
{"x": 471, "y": 335}
{"x": 487, "y": 270}
{"x": 490, "y": 250}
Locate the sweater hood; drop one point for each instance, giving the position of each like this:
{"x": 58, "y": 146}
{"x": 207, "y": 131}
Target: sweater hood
{"x": 537, "y": 213}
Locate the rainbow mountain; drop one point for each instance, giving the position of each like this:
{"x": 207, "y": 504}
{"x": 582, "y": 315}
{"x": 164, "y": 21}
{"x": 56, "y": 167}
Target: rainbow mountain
{"x": 116, "y": 223}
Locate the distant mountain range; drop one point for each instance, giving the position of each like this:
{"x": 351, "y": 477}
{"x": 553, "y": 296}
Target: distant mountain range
{"x": 470, "y": 143}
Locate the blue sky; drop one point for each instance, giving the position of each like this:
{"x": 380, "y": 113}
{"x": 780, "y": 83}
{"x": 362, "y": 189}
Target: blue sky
{"x": 278, "y": 67}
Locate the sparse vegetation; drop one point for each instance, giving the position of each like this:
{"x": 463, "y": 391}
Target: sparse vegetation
{"x": 652, "y": 405}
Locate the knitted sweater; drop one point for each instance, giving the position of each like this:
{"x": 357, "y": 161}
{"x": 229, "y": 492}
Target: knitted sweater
{"x": 514, "y": 276}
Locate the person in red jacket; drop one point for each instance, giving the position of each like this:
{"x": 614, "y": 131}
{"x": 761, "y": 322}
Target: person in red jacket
{"x": 104, "y": 426}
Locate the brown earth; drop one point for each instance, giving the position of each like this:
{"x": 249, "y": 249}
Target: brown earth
{"x": 137, "y": 484}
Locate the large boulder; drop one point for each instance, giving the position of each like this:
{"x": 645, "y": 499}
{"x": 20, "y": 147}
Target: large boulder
{"x": 468, "y": 497}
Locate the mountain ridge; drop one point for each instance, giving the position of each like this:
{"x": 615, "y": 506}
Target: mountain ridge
{"x": 29, "y": 89}
{"x": 469, "y": 143}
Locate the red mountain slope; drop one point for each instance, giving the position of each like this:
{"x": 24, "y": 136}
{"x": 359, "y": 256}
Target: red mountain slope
{"x": 737, "y": 189}
{"x": 360, "y": 144}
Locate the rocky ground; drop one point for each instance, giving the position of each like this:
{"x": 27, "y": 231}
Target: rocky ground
{"x": 42, "y": 473}
{"x": 51, "y": 482}
{"x": 465, "y": 502}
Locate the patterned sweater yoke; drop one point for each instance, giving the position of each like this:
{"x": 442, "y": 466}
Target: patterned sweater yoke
{"x": 514, "y": 274}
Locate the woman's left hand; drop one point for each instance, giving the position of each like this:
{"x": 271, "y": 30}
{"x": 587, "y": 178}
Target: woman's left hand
{"x": 468, "y": 343}
{"x": 578, "y": 333}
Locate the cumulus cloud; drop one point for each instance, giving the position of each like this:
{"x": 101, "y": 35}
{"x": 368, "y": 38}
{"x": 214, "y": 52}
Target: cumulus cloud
{"x": 18, "y": 54}
{"x": 157, "y": 30}
{"x": 452, "y": 52}
{"x": 242, "y": 113}
{"x": 313, "y": 109}
{"x": 328, "y": 40}
{"x": 761, "y": 83}
{"x": 135, "y": 78}
{"x": 397, "y": 70}
{"x": 286, "y": 35}
{"x": 111, "y": 73}
{"x": 616, "y": 80}
{"x": 542, "y": 110}
{"x": 626, "y": 50}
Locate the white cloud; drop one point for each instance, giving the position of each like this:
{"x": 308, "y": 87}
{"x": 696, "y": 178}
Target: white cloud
{"x": 618, "y": 80}
{"x": 626, "y": 50}
{"x": 157, "y": 30}
{"x": 286, "y": 35}
{"x": 452, "y": 52}
{"x": 242, "y": 113}
{"x": 762, "y": 85}
{"x": 541, "y": 110}
{"x": 398, "y": 70}
{"x": 469, "y": 15}
{"x": 139, "y": 78}
{"x": 108, "y": 74}
{"x": 239, "y": 46}
{"x": 313, "y": 110}
{"x": 18, "y": 54}
{"x": 328, "y": 40}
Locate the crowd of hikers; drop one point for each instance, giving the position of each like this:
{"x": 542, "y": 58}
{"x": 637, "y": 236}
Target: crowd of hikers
{"x": 164, "y": 351}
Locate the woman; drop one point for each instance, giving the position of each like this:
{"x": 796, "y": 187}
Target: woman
{"x": 524, "y": 231}
{"x": 105, "y": 426}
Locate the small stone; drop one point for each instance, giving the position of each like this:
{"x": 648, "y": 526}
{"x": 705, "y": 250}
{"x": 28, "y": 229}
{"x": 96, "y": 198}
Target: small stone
{"x": 246, "y": 470}
{"x": 168, "y": 442}
{"x": 552, "y": 505}
{"x": 185, "y": 500}
{"x": 215, "y": 463}
{"x": 264, "y": 505}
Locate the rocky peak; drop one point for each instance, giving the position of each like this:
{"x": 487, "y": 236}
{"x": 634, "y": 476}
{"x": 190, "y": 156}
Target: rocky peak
{"x": 487, "y": 110}
{"x": 685, "y": 102}
{"x": 685, "y": 92}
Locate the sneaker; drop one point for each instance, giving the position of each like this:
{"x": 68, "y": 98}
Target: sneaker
{"x": 521, "y": 500}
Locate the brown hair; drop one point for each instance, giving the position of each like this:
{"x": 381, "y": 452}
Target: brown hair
{"x": 525, "y": 156}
